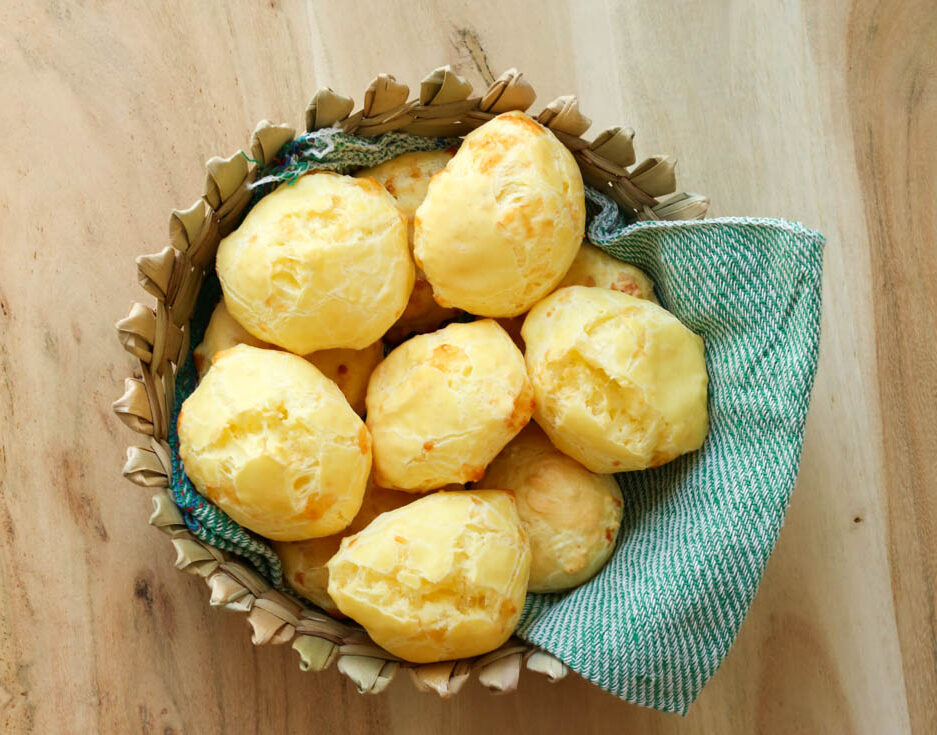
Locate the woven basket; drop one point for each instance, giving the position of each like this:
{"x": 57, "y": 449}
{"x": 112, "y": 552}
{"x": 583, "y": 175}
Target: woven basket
{"x": 158, "y": 339}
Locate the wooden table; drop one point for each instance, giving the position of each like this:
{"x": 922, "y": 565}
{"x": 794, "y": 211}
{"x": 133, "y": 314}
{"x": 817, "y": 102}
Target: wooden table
{"x": 820, "y": 112}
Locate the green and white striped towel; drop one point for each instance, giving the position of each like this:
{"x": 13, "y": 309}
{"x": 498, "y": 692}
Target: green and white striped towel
{"x": 653, "y": 626}
{"x": 656, "y": 622}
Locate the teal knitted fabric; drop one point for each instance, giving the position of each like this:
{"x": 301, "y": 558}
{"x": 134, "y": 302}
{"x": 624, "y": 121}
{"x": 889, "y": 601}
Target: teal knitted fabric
{"x": 653, "y": 626}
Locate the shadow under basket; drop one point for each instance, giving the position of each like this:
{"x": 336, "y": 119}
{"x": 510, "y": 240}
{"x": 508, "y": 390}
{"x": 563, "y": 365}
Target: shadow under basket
{"x": 160, "y": 338}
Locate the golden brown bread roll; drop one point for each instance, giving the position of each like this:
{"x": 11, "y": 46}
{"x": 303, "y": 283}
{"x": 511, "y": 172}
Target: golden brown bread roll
{"x": 273, "y": 443}
{"x": 592, "y": 267}
{"x": 318, "y": 264}
{"x": 441, "y": 578}
{"x": 502, "y": 223}
{"x": 348, "y": 369}
{"x": 442, "y": 405}
{"x": 407, "y": 178}
{"x": 304, "y": 562}
{"x": 571, "y": 515}
{"x": 620, "y": 384}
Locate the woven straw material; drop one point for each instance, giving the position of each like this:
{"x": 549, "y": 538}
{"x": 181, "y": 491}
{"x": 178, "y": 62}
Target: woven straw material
{"x": 654, "y": 625}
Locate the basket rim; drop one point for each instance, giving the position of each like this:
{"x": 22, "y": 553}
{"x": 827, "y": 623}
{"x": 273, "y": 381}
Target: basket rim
{"x": 159, "y": 340}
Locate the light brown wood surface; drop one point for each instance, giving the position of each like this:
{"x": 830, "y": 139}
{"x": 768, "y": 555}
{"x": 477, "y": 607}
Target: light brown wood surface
{"x": 823, "y": 112}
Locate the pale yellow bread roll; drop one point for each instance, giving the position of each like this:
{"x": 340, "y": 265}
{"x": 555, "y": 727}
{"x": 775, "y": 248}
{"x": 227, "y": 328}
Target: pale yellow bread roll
{"x": 273, "y": 443}
{"x": 222, "y": 333}
{"x": 422, "y": 314}
{"x": 592, "y": 267}
{"x": 318, "y": 264}
{"x": 406, "y": 178}
{"x": 571, "y": 515}
{"x": 304, "y": 562}
{"x": 620, "y": 384}
{"x": 348, "y": 369}
{"x": 442, "y": 405}
{"x": 441, "y": 578}
{"x": 502, "y": 223}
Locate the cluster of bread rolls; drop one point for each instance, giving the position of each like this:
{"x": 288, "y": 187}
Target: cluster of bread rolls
{"x": 471, "y": 269}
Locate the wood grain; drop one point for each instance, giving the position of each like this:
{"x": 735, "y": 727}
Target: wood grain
{"x": 894, "y": 117}
{"x": 820, "y": 112}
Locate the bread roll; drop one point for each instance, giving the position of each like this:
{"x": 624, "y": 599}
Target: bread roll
{"x": 571, "y": 515}
{"x": 620, "y": 384}
{"x": 406, "y": 178}
{"x": 422, "y": 314}
{"x": 502, "y": 223}
{"x": 441, "y": 578}
{"x": 348, "y": 369}
{"x": 318, "y": 264}
{"x": 273, "y": 443}
{"x": 593, "y": 267}
{"x": 222, "y": 333}
{"x": 442, "y": 405}
{"x": 512, "y": 325}
{"x": 304, "y": 562}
